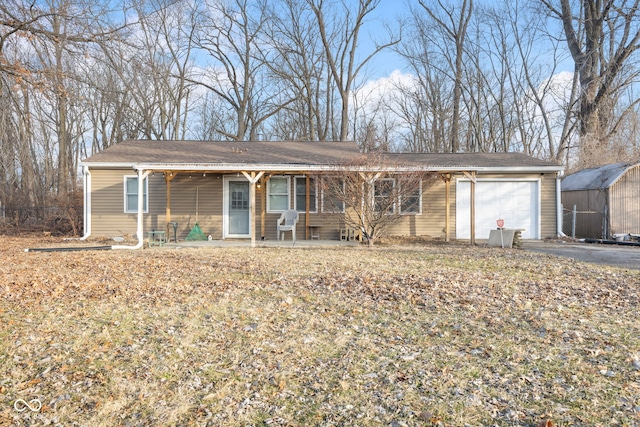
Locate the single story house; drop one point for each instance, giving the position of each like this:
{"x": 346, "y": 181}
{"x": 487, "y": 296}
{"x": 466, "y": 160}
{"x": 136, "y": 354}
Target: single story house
{"x": 238, "y": 190}
{"x": 606, "y": 200}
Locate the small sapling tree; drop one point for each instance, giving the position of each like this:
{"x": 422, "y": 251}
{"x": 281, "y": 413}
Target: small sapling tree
{"x": 371, "y": 194}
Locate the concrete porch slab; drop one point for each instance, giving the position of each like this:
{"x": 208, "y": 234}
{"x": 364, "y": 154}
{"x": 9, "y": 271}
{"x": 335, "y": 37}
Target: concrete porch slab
{"x": 239, "y": 243}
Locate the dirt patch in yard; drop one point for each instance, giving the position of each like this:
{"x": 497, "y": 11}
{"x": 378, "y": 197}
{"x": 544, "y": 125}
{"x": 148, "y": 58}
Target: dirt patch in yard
{"x": 427, "y": 334}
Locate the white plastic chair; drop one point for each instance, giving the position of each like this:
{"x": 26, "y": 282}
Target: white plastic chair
{"x": 287, "y": 222}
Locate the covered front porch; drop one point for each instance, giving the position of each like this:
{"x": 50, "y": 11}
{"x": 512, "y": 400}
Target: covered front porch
{"x": 239, "y": 200}
{"x": 231, "y": 205}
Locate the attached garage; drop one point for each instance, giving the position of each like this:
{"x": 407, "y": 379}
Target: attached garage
{"x": 515, "y": 201}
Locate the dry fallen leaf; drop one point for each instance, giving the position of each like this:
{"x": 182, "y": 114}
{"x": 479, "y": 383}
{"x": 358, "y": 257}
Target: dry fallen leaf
{"x": 240, "y": 336}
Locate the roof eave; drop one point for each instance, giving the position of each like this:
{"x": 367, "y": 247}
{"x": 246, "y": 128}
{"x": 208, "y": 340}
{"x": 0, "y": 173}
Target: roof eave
{"x": 317, "y": 167}
{"x": 210, "y": 166}
{"x": 521, "y": 169}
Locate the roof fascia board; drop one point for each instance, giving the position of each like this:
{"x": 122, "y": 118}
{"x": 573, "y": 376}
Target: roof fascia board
{"x": 210, "y": 166}
{"x": 520, "y": 169}
{"x": 317, "y": 168}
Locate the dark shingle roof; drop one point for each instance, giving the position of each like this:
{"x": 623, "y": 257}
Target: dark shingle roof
{"x": 471, "y": 160}
{"x": 295, "y": 153}
{"x": 232, "y": 152}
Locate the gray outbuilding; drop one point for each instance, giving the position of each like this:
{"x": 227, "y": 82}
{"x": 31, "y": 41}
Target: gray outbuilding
{"x": 606, "y": 200}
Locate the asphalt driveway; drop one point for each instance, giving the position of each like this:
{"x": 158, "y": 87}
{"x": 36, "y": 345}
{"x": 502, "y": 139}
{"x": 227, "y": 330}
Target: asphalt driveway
{"x": 613, "y": 255}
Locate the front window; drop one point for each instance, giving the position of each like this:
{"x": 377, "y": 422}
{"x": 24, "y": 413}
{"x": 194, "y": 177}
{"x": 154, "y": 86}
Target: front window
{"x": 384, "y": 195}
{"x": 301, "y": 194}
{"x": 278, "y": 194}
{"x": 411, "y": 197}
{"x": 131, "y": 194}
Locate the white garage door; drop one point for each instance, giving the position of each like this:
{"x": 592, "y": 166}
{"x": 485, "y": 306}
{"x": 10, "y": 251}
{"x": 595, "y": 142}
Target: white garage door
{"x": 517, "y": 202}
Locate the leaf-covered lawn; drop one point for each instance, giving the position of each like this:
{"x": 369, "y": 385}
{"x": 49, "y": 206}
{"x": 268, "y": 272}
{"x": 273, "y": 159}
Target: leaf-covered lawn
{"x": 421, "y": 335}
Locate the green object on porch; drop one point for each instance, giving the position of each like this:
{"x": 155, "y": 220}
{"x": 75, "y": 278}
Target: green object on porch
{"x": 196, "y": 234}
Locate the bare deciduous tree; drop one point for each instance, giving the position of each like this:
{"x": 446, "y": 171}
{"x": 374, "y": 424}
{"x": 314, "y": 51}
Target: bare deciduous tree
{"x": 424, "y": 104}
{"x": 452, "y": 20}
{"x": 48, "y": 40}
{"x": 340, "y": 34}
{"x": 299, "y": 63}
{"x": 231, "y": 34}
{"x": 529, "y": 113}
{"x": 603, "y": 38}
{"x": 370, "y": 200}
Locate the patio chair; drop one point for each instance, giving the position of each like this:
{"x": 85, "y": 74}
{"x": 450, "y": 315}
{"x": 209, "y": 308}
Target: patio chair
{"x": 287, "y": 222}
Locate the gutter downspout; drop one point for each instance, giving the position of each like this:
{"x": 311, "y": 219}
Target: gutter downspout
{"x": 87, "y": 202}
{"x": 139, "y": 231}
{"x": 559, "y": 217}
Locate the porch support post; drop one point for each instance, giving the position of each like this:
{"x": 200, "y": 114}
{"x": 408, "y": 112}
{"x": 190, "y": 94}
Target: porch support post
{"x": 472, "y": 208}
{"x": 252, "y": 178}
{"x": 263, "y": 211}
{"x": 86, "y": 180}
{"x": 252, "y": 209}
{"x": 168, "y": 177}
{"x": 263, "y": 207}
{"x": 446, "y": 177}
{"x": 167, "y": 213}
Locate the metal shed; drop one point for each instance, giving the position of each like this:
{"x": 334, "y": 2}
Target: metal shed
{"x": 606, "y": 200}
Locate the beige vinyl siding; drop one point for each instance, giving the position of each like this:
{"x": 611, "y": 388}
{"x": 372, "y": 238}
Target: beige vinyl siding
{"x": 548, "y": 206}
{"x": 108, "y": 218}
{"x": 431, "y": 222}
{"x": 329, "y": 223}
{"x": 329, "y": 226}
{"x": 197, "y": 198}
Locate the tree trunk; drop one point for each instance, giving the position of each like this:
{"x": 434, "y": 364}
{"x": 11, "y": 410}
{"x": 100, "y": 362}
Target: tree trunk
{"x": 61, "y": 98}
{"x": 606, "y": 37}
